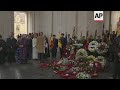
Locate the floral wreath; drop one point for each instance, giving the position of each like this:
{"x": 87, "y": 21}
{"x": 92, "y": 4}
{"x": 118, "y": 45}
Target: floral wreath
{"x": 101, "y": 60}
{"x": 102, "y": 48}
{"x": 83, "y": 75}
{"x": 92, "y": 46}
{"x": 91, "y": 58}
{"x": 64, "y": 61}
{"x": 81, "y": 53}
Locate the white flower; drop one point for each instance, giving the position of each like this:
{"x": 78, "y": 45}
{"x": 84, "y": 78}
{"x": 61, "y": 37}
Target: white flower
{"x": 81, "y": 53}
{"x": 101, "y": 60}
{"x": 83, "y": 75}
{"x": 64, "y": 61}
{"x": 93, "y": 46}
{"x": 102, "y": 48}
{"x": 91, "y": 58}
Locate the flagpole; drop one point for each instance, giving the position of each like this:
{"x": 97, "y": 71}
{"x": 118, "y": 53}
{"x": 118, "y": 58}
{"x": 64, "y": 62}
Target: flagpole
{"x": 34, "y": 22}
{"x": 52, "y": 23}
{"x": 110, "y": 22}
{"x": 103, "y": 32}
{"x": 76, "y": 23}
{"x": 110, "y": 26}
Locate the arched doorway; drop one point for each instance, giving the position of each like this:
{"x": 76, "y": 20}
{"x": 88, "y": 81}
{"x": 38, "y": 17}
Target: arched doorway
{"x": 20, "y": 23}
{"x": 115, "y": 15}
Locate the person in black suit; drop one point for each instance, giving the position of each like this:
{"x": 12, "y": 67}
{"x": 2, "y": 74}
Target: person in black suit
{"x": 2, "y": 50}
{"x": 11, "y": 47}
{"x": 54, "y": 48}
{"x": 63, "y": 42}
{"x": 29, "y": 47}
{"x": 113, "y": 36}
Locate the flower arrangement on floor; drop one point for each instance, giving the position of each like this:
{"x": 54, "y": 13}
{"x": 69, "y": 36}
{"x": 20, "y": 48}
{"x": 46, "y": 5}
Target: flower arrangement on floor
{"x": 63, "y": 61}
{"x": 81, "y": 53}
{"x": 92, "y": 47}
{"x": 101, "y": 60}
{"x": 83, "y": 75}
{"x": 91, "y": 58}
{"x": 102, "y": 48}
{"x": 78, "y": 64}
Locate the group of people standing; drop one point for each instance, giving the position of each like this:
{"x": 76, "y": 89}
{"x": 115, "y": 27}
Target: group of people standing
{"x": 30, "y": 47}
{"x": 36, "y": 47}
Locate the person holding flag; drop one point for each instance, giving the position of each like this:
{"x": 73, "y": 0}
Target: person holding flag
{"x": 62, "y": 44}
{"x": 51, "y": 42}
{"x": 118, "y": 27}
{"x": 54, "y": 47}
{"x": 59, "y": 42}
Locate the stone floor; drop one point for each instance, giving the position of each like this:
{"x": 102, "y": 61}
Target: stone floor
{"x": 33, "y": 71}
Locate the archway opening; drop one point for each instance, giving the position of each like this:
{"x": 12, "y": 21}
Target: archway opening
{"x": 20, "y": 23}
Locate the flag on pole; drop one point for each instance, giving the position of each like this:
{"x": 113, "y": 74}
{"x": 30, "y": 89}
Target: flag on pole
{"x": 103, "y": 32}
{"x": 51, "y": 41}
{"x": 110, "y": 31}
{"x": 118, "y": 28}
{"x": 59, "y": 42}
{"x": 81, "y": 34}
{"x": 87, "y": 34}
{"x": 95, "y": 34}
{"x": 74, "y": 33}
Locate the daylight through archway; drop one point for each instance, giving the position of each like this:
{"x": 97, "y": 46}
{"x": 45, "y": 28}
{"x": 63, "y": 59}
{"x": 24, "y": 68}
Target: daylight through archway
{"x": 20, "y": 23}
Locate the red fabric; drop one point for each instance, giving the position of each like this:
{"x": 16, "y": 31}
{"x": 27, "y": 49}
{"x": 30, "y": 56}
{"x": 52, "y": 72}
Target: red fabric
{"x": 85, "y": 45}
{"x": 71, "y": 57}
{"x": 66, "y": 53}
{"x": 94, "y": 75}
{"x": 44, "y": 65}
{"x": 98, "y": 67}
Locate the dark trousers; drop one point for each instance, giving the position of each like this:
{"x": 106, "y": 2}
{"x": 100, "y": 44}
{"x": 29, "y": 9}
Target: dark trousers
{"x": 11, "y": 56}
{"x": 111, "y": 57}
{"x": 116, "y": 74}
{"x": 29, "y": 54}
{"x": 40, "y": 56}
{"x": 47, "y": 53}
{"x": 2, "y": 57}
{"x": 54, "y": 52}
{"x": 61, "y": 52}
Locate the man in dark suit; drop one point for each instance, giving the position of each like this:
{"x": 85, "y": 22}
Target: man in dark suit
{"x": 2, "y": 50}
{"x": 54, "y": 48}
{"x": 63, "y": 42}
{"x": 113, "y": 36}
{"x": 11, "y": 46}
{"x": 29, "y": 47}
